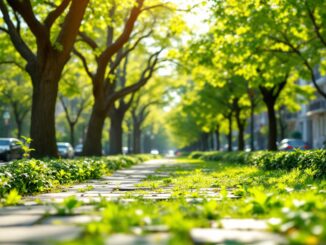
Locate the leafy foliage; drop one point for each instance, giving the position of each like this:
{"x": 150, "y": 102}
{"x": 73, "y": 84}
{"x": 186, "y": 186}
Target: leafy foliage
{"x": 31, "y": 176}
{"x": 314, "y": 161}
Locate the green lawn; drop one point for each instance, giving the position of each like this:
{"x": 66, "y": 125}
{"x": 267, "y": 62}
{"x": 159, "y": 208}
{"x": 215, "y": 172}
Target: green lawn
{"x": 203, "y": 193}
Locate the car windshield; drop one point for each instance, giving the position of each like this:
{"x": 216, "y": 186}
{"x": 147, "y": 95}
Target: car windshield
{"x": 4, "y": 142}
{"x": 62, "y": 146}
{"x": 296, "y": 143}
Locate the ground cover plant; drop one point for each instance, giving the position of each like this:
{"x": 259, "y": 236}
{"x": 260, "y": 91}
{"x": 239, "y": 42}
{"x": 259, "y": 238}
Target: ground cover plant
{"x": 28, "y": 176}
{"x": 314, "y": 159}
{"x": 204, "y": 193}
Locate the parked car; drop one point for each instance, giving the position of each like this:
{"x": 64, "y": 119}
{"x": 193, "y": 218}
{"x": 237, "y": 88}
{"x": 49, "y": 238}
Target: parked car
{"x": 79, "y": 150}
{"x": 65, "y": 150}
{"x": 292, "y": 144}
{"x": 10, "y": 149}
{"x": 155, "y": 152}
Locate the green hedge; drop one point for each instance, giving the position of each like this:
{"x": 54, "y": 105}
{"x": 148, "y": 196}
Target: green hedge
{"x": 31, "y": 176}
{"x": 314, "y": 159}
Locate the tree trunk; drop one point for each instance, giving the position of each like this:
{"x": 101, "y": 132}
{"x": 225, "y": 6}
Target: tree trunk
{"x": 116, "y": 133}
{"x": 137, "y": 138}
{"x": 241, "y": 141}
{"x": 72, "y": 134}
{"x": 218, "y": 142}
{"x": 240, "y": 124}
{"x": 129, "y": 137}
{"x": 282, "y": 124}
{"x": 19, "y": 128}
{"x": 42, "y": 132}
{"x": 212, "y": 142}
{"x": 272, "y": 125}
{"x": 205, "y": 141}
{"x": 252, "y": 127}
{"x": 129, "y": 143}
{"x": 269, "y": 97}
{"x": 93, "y": 141}
{"x": 230, "y": 134}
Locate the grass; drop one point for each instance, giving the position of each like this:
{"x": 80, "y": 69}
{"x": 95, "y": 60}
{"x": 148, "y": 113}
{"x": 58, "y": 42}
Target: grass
{"x": 204, "y": 192}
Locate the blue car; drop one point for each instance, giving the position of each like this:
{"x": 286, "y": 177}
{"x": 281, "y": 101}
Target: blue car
{"x": 10, "y": 149}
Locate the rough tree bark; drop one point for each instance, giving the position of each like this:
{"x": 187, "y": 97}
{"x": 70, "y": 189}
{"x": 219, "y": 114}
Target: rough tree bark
{"x": 116, "y": 134}
{"x": 230, "y": 133}
{"x": 270, "y": 96}
{"x": 240, "y": 124}
{"x": 137, "y": 132}
{"x": 45, "y": 67}
{"x": 253, "y": 103}
{"x": 217, "y": 135}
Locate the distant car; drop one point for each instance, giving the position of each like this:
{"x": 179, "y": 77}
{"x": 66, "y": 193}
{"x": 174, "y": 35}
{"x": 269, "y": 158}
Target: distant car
{"x": 292, "y": 144}
{"x": 10, "y": 149}
{"x": 78, "y": 150}
{"x": 65, "y": 150}
{"x": 155, "y": 152}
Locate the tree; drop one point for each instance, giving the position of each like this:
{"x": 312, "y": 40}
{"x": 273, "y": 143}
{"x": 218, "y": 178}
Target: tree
{"x": 117, "y": 113}
{"x": 118, "y": 110}
{"x": 243, "y": 39}
{"x": 15, "y": 92}
{"x": 79, "y": 106}
{"x": 74, "y": 96}
{"x": 54, "y": 36}
{"x": 106, "y": 57}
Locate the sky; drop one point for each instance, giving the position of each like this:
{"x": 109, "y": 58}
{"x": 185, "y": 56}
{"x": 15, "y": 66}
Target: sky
{"x": 196, "y": 18}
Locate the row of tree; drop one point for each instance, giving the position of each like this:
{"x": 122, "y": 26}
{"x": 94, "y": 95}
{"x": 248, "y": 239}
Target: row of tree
{"x": 117, "y": 45}
{"x": 251, "y": 61}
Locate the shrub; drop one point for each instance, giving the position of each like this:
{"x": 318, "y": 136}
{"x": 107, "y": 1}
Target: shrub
{"x": 315, "y": 160}
{"x": 197, "y": 154}
{"x": 29, "y": 176}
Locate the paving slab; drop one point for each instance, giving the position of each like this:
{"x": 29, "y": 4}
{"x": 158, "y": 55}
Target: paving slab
{"x": 122, "y": 239}
{"x": 38, "y": 233}
{"x": 223, "y": 236}
{"x": 71, "y": 220}
{"x": 26, "y": 210}
{"x": 244, "y": 224}
{"x": 18, "y": 220}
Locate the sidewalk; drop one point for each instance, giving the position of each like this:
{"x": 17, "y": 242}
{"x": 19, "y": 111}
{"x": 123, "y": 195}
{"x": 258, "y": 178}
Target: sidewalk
{"x": 33, "y": 223}
{"x": 39, "y": 223}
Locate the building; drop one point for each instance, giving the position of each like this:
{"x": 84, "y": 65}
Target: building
{"x": 310, "y": 121}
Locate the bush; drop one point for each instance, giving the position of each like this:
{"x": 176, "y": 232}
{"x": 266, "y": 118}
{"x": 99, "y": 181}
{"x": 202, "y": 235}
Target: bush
{"x": 315, "y": 160}
{"x": 231, "y": 157}
{"x": 197, "y": 154}
{"x": 29, "y": 176}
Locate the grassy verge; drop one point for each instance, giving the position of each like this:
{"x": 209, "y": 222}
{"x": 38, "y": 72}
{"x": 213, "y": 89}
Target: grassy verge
{"x": 315, "y": 160}
{"x": 292, "y": 201}
{"x": 33, "y": 176}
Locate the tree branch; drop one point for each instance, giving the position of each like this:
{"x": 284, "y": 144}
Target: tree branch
{"x": 55, "y": 14}
{"x": 25, "y": 9}
{"x": 84, "y": 62}
{"x": 145, "y": 76}
{"x": 15, "y": 37}
{"x": 10, "y": 62}
{"x": 124, "y": 37}
{"x": 70, "y": 28}
{"x": 88, "y": 40}
{"x": 314, "y": 23}
{"x": 65, "y": 108}
{"x": 125, "y": 53}
{"x": 4, "y": 30}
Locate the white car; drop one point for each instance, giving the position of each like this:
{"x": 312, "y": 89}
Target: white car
{"x": 65, "y": 150}
{"x": 155, "y": 152}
